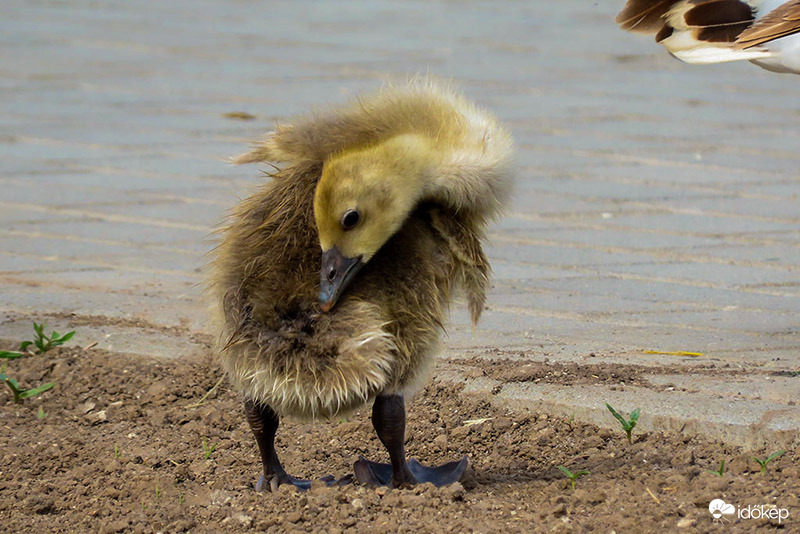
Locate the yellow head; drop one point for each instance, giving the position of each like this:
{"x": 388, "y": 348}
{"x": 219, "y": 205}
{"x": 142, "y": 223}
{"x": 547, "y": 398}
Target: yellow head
{"x": 363, "y": 197}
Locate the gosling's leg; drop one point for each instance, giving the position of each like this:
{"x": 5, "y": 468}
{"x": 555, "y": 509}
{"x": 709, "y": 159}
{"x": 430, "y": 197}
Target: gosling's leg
{"x": 264, "y": 423}
{"x": 389, "y": 420}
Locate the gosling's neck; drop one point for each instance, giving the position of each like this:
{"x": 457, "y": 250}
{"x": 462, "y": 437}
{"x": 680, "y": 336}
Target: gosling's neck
{"x": 407, "y": 165}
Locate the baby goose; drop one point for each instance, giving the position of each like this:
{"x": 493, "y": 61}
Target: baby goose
{"x": 332, "y": 282}
{"x": 766, "y": 32}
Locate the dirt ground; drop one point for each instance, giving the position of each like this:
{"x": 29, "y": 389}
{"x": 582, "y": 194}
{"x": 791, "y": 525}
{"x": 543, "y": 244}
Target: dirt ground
{"x": 120, "y": 449}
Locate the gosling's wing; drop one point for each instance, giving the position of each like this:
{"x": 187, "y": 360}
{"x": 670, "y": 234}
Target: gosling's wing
{"x": 464, "y": 242}
{"x": 780, "y": 22}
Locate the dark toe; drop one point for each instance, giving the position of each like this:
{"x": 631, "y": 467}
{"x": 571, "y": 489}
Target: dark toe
{"x": 331, "y": 480}
{"x": 298, "y": 483}
{"x": 344, "y": 481}
{"x": 377, "y": 474}
{"x": 372, "y": 473}
{"x": 276, "y": 481}
{"x": 442, "y": 475}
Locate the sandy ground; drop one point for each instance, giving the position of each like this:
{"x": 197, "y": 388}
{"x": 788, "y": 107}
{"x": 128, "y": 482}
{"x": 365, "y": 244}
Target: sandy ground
{"x": 120, "y": 449}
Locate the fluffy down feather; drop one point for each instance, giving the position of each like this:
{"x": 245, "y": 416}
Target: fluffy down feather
{"x": 274, "y": 342}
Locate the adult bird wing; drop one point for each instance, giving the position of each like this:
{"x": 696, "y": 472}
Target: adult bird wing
{"x": 644, "y": 16}
{"x": 780, "y": 22}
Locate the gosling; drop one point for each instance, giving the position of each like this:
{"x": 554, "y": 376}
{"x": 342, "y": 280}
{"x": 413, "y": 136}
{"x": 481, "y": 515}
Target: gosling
{"x": 332, "y": 282}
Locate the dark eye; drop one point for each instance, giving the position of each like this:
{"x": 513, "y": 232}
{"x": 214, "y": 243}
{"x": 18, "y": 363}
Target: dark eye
{"x": 350, "y": 219}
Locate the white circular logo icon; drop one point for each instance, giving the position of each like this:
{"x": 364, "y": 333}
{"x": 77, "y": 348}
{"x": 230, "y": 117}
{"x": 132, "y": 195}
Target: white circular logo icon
{"x": 718, "y": 508}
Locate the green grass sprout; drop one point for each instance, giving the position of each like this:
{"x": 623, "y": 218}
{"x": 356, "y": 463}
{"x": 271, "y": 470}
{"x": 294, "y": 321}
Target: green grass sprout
{"x": 41, "y": 414}
{"x": 763, "y": 463}
{"x": 20, "y": 394}
{"x": 572, "y": 476}
{"x": 719, "y": 472}
{"x": 43, "y": 342}
{"x": 627, "y": 424}
{"x": 208, "y": 450}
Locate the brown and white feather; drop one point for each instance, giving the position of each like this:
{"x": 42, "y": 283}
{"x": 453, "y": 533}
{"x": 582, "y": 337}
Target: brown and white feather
{"x": 781, "y": 22}
{"x": 714, "y": 31}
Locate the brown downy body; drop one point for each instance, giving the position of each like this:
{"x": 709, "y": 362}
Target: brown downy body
{"x": 276, "y": 344}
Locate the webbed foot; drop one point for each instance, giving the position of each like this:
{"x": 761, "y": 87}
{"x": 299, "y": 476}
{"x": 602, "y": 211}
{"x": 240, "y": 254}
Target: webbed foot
{"x": 378, "y": 474}
{"x": 274, "y": 482}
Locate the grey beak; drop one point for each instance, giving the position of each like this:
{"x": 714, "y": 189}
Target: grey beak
{"x": 335, "y": 275}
